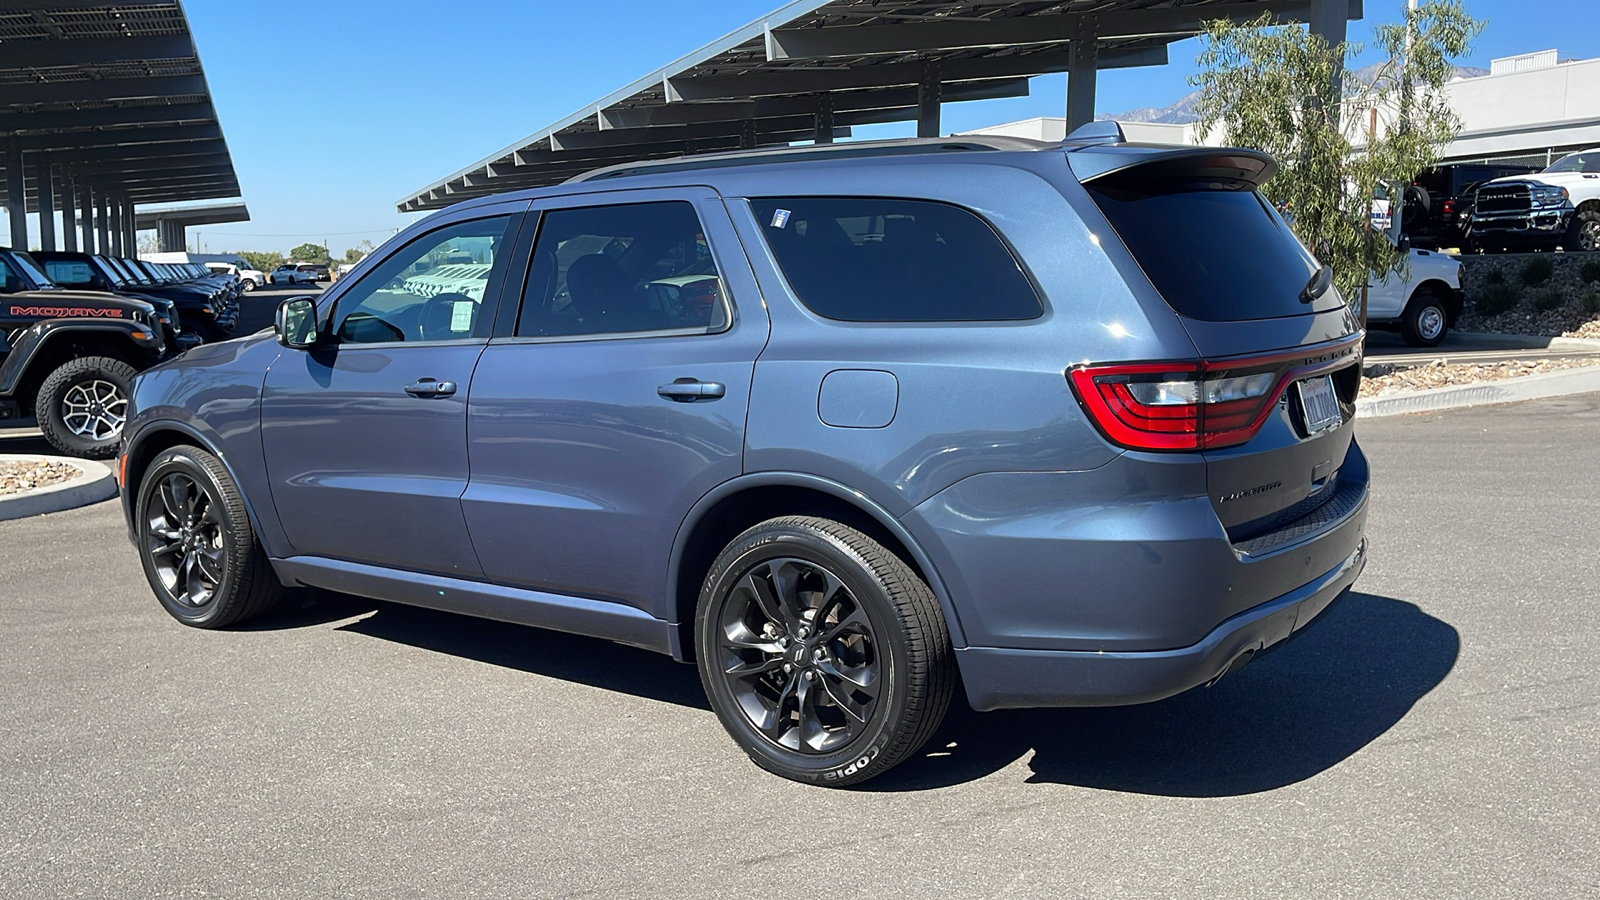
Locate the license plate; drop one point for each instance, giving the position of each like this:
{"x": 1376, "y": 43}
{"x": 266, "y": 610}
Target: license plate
{"x": 1320, "y": 404}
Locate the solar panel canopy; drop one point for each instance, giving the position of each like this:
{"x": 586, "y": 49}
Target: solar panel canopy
{"x": 811, "y": 69}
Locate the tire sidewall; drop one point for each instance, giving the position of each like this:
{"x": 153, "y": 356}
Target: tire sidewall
{"x": 166, "y": 464}
{"x": 1413, "y": 316}
{"x": 53, "y": 392}
{"x": 859, "y": 755}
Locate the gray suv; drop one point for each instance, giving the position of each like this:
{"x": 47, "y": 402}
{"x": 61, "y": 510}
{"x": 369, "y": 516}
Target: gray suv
{"x": 852, "y": 428}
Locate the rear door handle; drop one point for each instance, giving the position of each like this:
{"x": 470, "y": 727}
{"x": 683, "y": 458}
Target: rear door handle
{"x": 427, "y": 387}
{"x": 688, "y": 390}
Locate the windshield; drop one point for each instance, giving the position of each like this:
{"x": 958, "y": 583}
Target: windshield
{"x": 108, "y": 271}
{"x": 1587, "y": 163}
{"x": 33, "y": 271}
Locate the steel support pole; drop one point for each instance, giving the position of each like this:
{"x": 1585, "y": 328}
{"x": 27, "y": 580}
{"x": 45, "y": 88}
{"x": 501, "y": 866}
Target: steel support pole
{"x": 47, "y": 204}
{"x": 1082, "y": 69}
{"x": 69, "y": 212}
{"x": 103, "y": 223}
{"x": 90, "y": 245}
{"x": 130, "y": 229}
{"x": 823, "y": 131}
{"x": 16, "y": 200}
{"x": 1328, "y": 19}
{"x": 115, "y": 204}
{"x": 929, "y": 92}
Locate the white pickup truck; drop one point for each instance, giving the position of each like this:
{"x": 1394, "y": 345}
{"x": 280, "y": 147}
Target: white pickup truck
{"x": 1421, "y": 301}
{"x": 1559, "y": 207}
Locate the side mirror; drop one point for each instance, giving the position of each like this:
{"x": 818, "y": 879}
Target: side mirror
{"x": 96, "y": 283}
{"x": 1404, "y": 244}
{"x": 296, "y": 323}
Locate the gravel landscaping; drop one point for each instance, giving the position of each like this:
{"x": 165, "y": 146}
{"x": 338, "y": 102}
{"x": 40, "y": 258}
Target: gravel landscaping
{"x": 1378, "y": 379}
{"x": 1545, "y": 294}
{"x": 21, "y": 475}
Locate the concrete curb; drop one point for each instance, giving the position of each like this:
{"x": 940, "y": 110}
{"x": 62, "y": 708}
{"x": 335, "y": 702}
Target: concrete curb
{"x": 1525, "y": 387}
{"x": 97, "y": 483}
{"x": 1486, "y": 341}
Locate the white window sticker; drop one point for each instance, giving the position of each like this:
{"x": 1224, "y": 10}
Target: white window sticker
{"x": 461, "y": 316}
{"x": 780, "y": 218}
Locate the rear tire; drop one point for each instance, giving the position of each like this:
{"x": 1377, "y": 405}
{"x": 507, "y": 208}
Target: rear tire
{"x": 825, "y": 657}
{"x": 83, "y": 405}
{"x": 196, "y": 545}
{"x": 1425, "y": 320}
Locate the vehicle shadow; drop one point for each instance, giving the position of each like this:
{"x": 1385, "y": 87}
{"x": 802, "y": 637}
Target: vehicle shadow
{"x": 1282, "y": 719}
{"x": 568, "y": 657}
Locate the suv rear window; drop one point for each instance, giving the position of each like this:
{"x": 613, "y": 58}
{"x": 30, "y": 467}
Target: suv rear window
{"x": 866, "y": 259}
{"x": 1214, "y": 249}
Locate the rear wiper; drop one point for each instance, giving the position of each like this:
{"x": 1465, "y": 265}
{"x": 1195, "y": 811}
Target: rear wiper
{"x": 1318, "y": 285}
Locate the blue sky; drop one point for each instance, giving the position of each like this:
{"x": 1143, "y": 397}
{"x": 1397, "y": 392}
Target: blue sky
{"x": 336, "y": 108}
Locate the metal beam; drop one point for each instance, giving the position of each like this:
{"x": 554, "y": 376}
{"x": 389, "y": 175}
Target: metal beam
{"x": 87, "y": 195}
{"x": 801, "y": 80}
{"x": 209, "y": 131}
{"x": 137, "y": 153}
{"x": 103, "y": 89}
{"x": 112, "y": 116}
{"x": 1082, "y": 74}
{"x": 773, "y": 107}
{"x": 928, "y": 100}
{"x": 913, "y": 37}
{"x": 154, "y": 164}
{"x": 89, "y": 51}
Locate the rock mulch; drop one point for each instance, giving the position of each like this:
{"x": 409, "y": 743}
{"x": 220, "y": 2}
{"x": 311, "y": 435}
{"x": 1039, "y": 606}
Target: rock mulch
{"x": 1378, "y": 379}
{"x": 1576, "y": 299}
{"x": 17, "y": 476}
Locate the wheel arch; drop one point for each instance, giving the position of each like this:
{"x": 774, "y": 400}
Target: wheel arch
{"x": 735, "y": 505}
{"x": 1590, "y": 205}
{"x": 141, "y": 449}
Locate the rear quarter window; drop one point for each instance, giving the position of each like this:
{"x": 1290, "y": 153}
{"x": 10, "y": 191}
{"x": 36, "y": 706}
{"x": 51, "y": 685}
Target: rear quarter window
{"x": 866, "y": 259}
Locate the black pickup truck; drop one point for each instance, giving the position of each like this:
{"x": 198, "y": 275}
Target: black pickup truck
{"x": 68, "y": 358}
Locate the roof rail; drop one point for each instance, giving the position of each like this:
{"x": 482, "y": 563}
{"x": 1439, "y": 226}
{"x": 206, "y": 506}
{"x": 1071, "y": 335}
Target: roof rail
{"x": 769, "y": 155}
{"x": 1102, "y": 132}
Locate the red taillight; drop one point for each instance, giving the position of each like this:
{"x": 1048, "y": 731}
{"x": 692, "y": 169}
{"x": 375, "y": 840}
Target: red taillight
{"x": 1174, "y": 406}
{"x": 1449, "y": 207}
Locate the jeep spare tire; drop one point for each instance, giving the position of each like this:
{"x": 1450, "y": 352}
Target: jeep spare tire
{"x": 83, "y": 405}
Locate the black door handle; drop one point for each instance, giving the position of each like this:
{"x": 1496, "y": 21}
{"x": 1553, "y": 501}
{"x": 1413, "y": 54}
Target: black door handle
{"x": 427, "y": 387}
{"x": 688, "y": 390}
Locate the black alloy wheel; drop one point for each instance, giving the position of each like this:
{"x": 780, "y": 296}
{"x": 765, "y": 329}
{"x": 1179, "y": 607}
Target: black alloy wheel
{"x": 196, "y": 543}
{"x": 826, "y": 658}
{"x": 184, "y": 538}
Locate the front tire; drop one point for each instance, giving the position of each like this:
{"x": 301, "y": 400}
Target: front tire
{"x": 825, "y": 657}
{"x": 83, "y": 405}
{"x": 1426, "y": 320}
{"x": 1584, "y": 232}
{"x": 196, "y": 545}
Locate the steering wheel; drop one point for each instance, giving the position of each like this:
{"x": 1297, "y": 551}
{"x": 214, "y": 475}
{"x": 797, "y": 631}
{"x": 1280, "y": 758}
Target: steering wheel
{"x": 438, "y": 313}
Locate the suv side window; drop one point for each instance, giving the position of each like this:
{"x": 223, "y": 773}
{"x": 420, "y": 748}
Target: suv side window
{"x": 871, "y": 259}
{"x": 414, "y": 296}
{"x": 624, "y": 269}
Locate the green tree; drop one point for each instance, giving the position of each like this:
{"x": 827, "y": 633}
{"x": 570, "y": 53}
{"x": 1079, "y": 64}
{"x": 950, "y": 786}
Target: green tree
{"x": 309, "y": 252}
{"x": 261, "y": 260}
{"x": 354, "y": 254}
{"x": 1278, "y": 88}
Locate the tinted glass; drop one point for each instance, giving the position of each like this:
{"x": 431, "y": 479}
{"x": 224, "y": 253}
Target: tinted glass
{"x": 1586, "y": 163}
{"x": 636, "y": 267}
{"x": 1215, "y": 250}
{"x": 31, "y": 269}
{"x": 68, "y": 271}
{"x": 415, "y": 295}
{"x": 864, "y": 259}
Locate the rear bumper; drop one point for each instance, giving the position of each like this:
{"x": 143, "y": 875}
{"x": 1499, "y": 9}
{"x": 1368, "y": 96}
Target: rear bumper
{"x": 999, "y": 678}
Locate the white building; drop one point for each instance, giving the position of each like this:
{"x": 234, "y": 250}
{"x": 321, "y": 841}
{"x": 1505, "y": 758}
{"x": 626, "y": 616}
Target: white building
{"x": 1532, "y": 108}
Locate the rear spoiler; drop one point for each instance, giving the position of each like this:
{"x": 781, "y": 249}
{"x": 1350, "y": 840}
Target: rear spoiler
{"x": 1093, "y": 162}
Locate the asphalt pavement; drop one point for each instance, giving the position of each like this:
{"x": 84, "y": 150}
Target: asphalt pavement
{"x": 1435, "y": 735}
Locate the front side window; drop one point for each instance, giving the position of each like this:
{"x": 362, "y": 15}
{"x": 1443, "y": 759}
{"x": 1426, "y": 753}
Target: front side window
{"x": 873, "y": 259}
{"x": 414, "y": 296}
{"x": 636, "y": 267}
{"x": 1586, "y": 163}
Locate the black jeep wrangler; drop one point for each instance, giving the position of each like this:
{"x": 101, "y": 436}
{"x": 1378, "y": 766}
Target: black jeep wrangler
{"x": 69, "y": 357}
